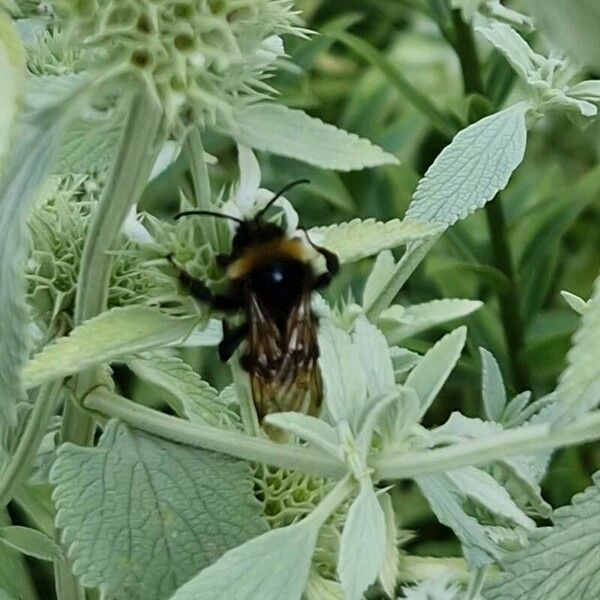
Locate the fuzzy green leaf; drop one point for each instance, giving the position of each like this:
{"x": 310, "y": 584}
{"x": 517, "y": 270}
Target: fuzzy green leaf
{"x": 380, "y": 274}
{"x": 30, "y": 542}
{"x": 357, "y": 239}
{"x": 280, "y": 130}
{"x": 472, "y": 169}
{"x": 492, "y": 386}
{"x": 114, "y": 334}
{"x": 141, "y": 515}
{"x": 560, "y": 562}
{"x": 514, "y": 48}
{"x": 310, "y": 429}
{"x": 581, "y": 378}
{"x": 363, "y": 544}
{"x": 428, "y": 377}
{"x": 578, "y": 304}
{"x": 344, "y": 382}
{"x": 400, "y": 322}
{"x": 26, "y": 170}
{"x": 446, "y": 501}
{"x": 12, "y": 70}
{"x": 273, "y": 566}
{"x": 374, "y": 355}
{"x": 89, "y": 143}
{"x": 191, "y": 395}
{"x": 15, "y": 580}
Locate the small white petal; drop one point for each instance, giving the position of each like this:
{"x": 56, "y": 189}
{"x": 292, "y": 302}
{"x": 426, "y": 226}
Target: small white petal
{"x": 134, "y": 230}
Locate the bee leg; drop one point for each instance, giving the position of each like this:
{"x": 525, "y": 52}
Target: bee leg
{"x": 332, "y": 263}
{"x": 232, "y": 338}
{"x": 198, "y": 289}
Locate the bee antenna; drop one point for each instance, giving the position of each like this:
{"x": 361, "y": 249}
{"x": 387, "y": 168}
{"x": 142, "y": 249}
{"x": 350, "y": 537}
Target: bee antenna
{"x": 278, "y": 195}
{"x": 208, "y": 213}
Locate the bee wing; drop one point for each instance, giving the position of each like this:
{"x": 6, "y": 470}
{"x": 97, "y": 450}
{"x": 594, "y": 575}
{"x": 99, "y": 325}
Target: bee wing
{"x": 283, "y": 364}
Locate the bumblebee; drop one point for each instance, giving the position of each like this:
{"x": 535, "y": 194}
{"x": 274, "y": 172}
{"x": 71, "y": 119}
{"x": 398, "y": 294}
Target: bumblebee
{"x": 270, "y": 280}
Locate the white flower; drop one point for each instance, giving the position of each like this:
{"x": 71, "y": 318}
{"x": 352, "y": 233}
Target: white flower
{"x": 248, "y": 197}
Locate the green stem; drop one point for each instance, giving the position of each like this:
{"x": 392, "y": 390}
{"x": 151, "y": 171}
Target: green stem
{"x": 130, "y": 172}
{"x": 476, "y": 583}
{"x": 29, "y": 442}
{"x": 410, "y": 260}
{"x": 212, "y": 229}
{"x": 528, "y": 439}
{"x": 525, "y": 440}
{"x": 510, "y": 301}
{"x": 67, "y": 586}
{"x": 235, "y": 444}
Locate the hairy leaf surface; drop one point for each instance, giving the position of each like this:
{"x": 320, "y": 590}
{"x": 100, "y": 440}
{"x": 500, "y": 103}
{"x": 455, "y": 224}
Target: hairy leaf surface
{"x": 141, "y": 515}
{"x": 472, "y": 169}
{"x": 292, "y": 133}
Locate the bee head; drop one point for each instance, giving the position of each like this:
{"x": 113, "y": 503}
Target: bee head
{"x": 256, "y": 230}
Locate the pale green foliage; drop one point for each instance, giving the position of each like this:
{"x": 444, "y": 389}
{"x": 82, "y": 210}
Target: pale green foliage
{"x": 292, "y": 133}
{"x": 59, "y": 227}
{"x": 114, "y": 334}
{"x": 400, "y": 322}
{"x": 12, "y": 65}
{"x": 492, "y": 386}
{"x": 135, "y": 509}
{"x": 141, "y": 515}
{"x": 15, "y": 583}
{"x": 358, "y": 238}
{"x": 547, "y": 79}
{"x": 30, "y": 542}
{"x": 363, "y": 544}
{"x": 561, "y": 562}
{"x": 578, "y": 389}
{"x": 453, "y": 496}
{"x": 439, "y": 588}
{"x": 273, "y": 566}
{"x": 572, "y": 25}
{"x": 428, "y": 377}
{"x": 188, "y": 394}
{"x": 29, "y": 165}
{"x": 472, "y": 169}
{"x": 491, "y": 9}
{"x": 579, "y": 305}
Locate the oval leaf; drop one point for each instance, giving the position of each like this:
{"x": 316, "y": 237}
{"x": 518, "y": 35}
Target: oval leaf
{"x": 280, "y": 130}
{"x": 472, "y": 169}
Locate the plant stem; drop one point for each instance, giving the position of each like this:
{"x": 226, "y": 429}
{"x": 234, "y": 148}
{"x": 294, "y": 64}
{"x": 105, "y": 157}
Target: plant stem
{"x": 525, "y": 440}
{"x": 29, "y": 442}
{"x": 510, "y": 301}
{"x": 130, "y": 172}
{"x": 411, "y": 259}
{"x": 67, "y": 586}
{"x": 235, "y": 444}
{"x": 212, "y": 229}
